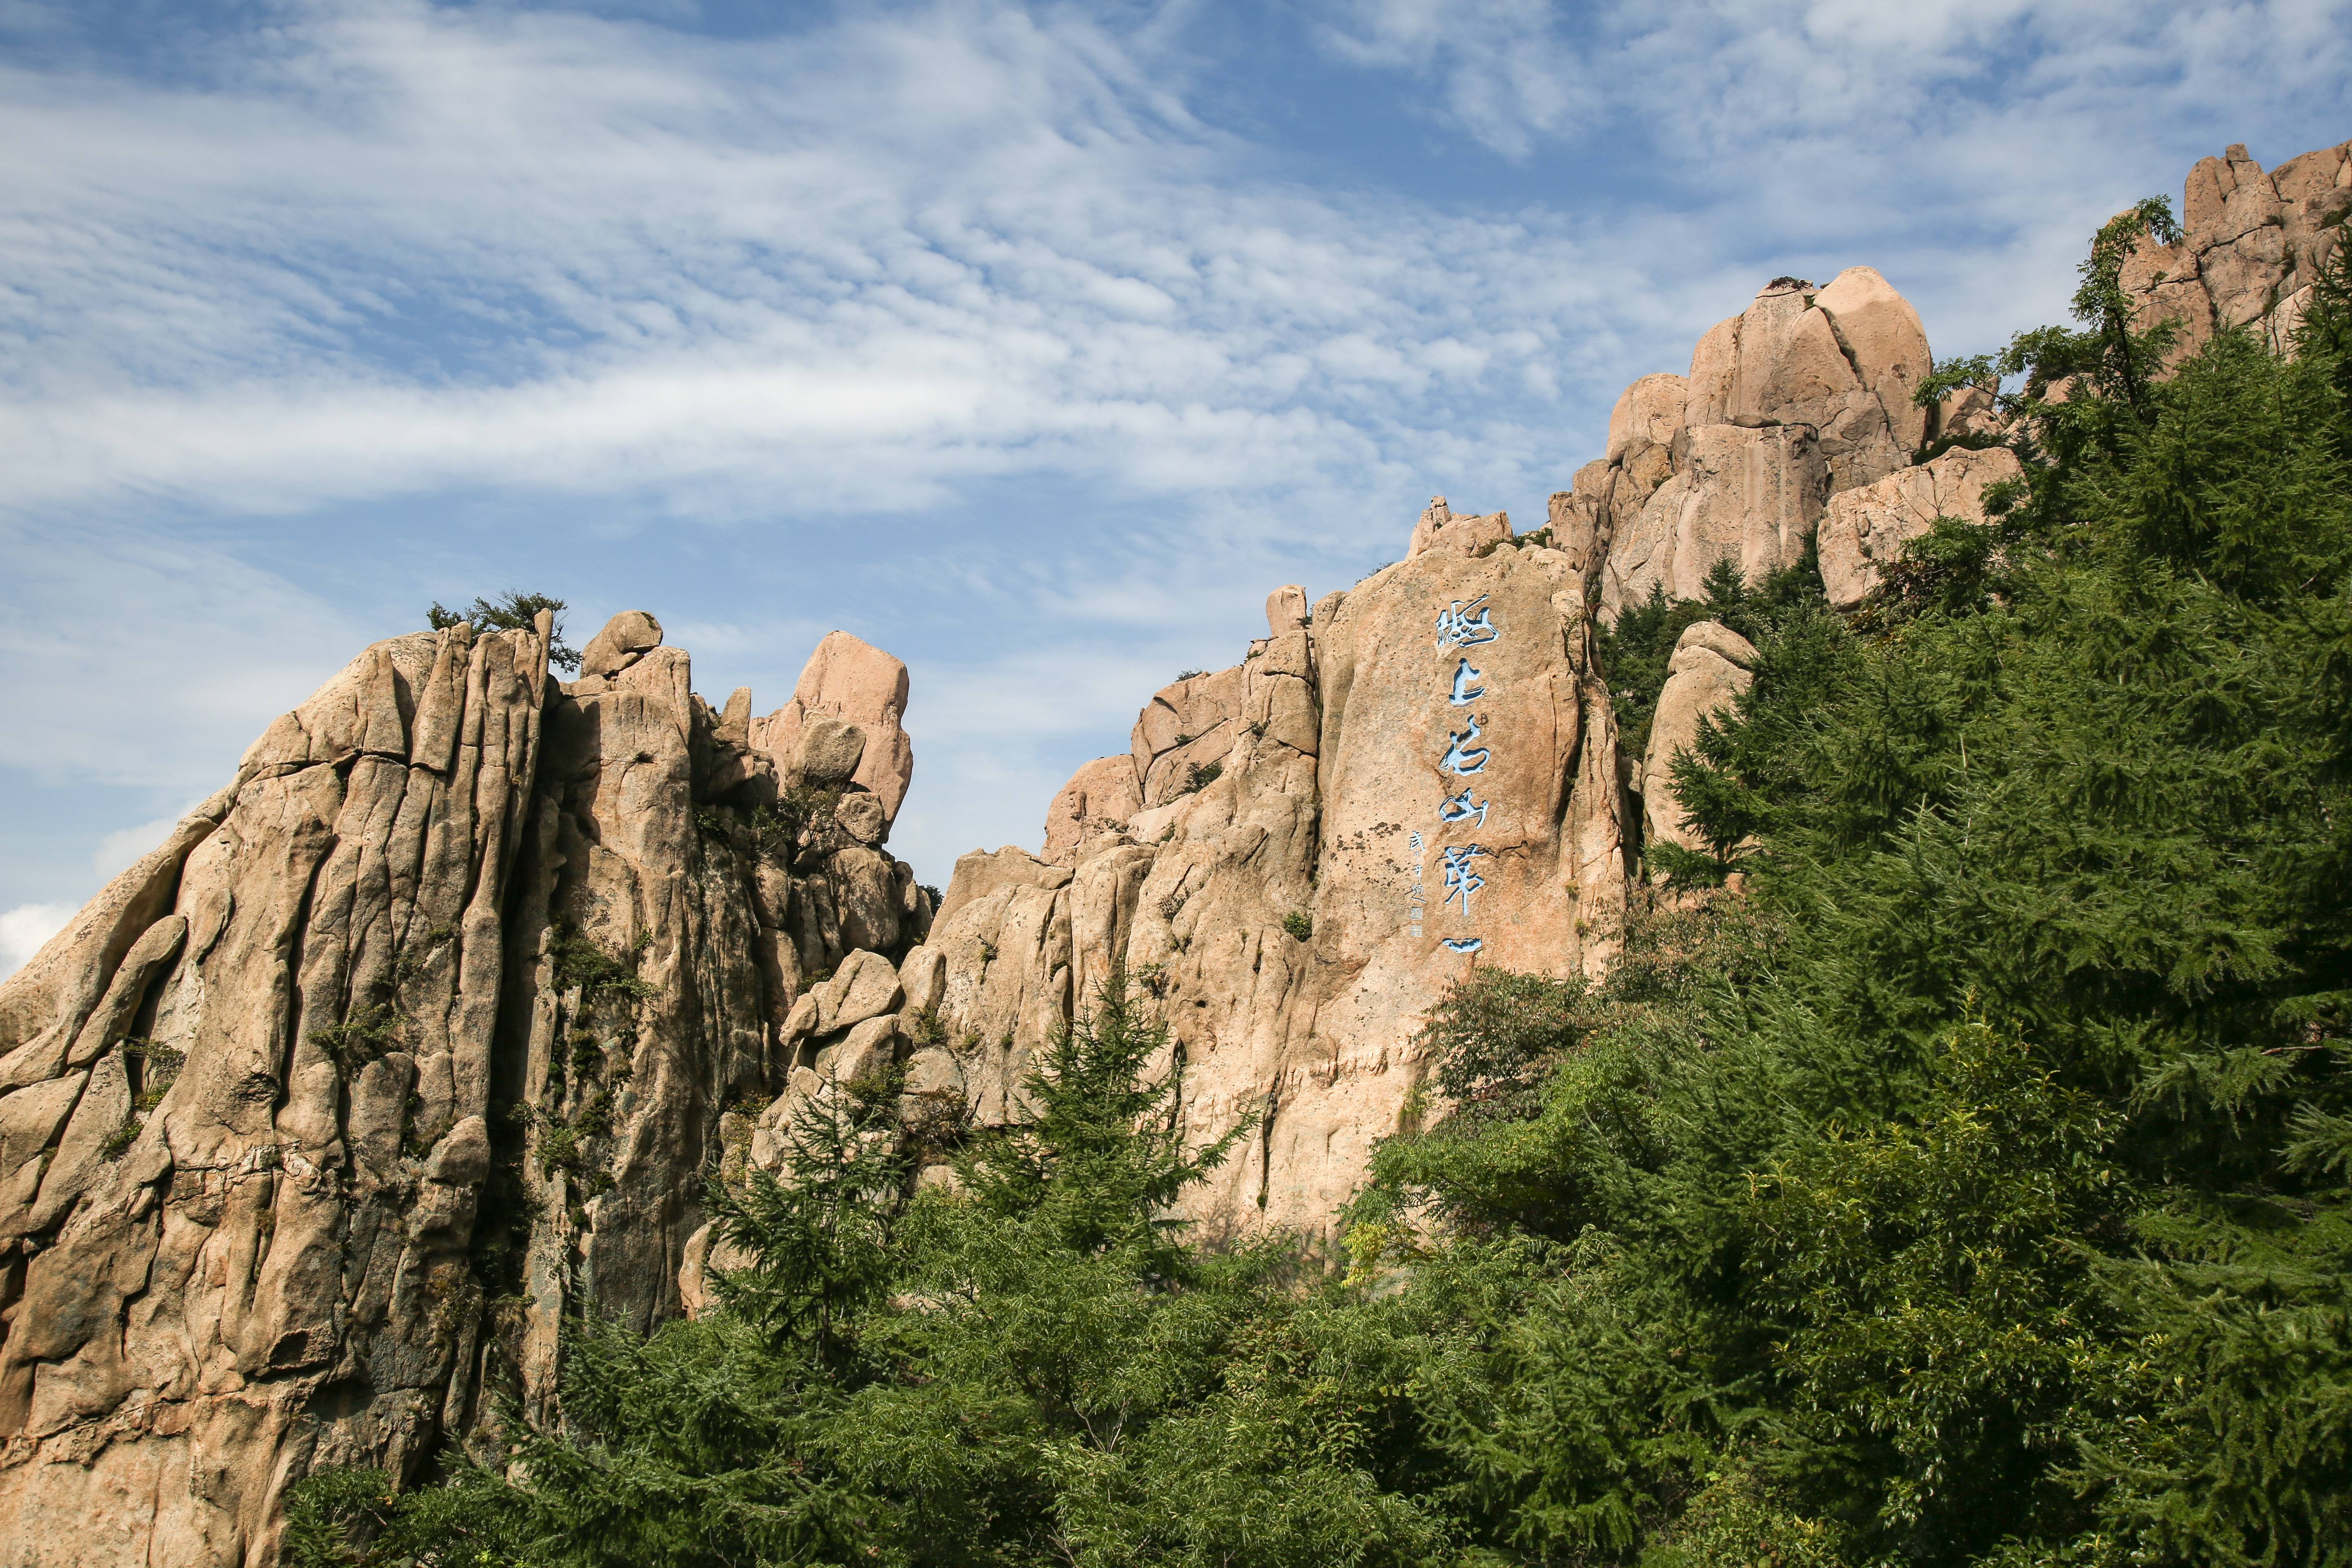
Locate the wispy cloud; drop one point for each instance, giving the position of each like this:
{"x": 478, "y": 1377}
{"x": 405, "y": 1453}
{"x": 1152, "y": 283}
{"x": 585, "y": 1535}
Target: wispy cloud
{"x": 24, "y": 929}
{"x": 964, "y": 325}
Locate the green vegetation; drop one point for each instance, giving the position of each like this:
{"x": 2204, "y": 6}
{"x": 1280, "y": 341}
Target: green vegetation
{"x": 511, "y": 611}
{"x": 1975, "y": 1186}
{"x": 1299, "y": 924}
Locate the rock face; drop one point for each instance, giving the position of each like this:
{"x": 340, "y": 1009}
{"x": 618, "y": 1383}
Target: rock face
{"x": 422, "y": 1035}
{"x": 842, "y": 725}
{"x": 1806, "y": 392}
{"x": 1867, "y": 528}
{"x": 2251, "y": 246}
{"x": 437, "y": 1005}
{"x": 1710, "y": 668}
{"x": 1421, "y": 777}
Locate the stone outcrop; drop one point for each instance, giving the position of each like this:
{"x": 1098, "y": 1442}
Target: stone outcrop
{"x": 1281, "y": 889}
{"x": 843, "y": 725}
{"x": 1712, "y": 665}
{"x": 1439, "y": 529}
{"x": 1867, "y": 528}
{"x": 2251, "y": 246}
{"x": 438, "y": 1005}
{"x": 1805, "y": 394}
{"x": 422, "y": 1035}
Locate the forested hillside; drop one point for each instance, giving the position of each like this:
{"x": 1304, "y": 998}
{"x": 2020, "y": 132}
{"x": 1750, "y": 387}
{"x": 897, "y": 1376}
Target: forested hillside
{"x": 1953, "y": 1169}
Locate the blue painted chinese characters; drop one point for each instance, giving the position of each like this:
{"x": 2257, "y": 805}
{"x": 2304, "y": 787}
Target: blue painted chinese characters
{"x": 1457, "y": 627}
{"x": 1463, "y": 693}
{"x": 1460, "y": 626}
{"x": 1461, "y": 757}
{"x": 1462, "y": 808}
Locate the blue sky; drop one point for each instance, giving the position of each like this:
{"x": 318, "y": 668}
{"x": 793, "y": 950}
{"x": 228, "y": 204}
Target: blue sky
{"x": 1034, "y": 343}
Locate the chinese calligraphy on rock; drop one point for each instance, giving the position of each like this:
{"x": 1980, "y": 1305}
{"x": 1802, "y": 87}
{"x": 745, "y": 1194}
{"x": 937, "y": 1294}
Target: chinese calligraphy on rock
{"x": 1460, "y": 626}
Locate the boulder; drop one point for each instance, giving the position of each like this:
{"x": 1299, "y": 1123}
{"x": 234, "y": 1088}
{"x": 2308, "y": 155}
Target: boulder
{"x": 2250, "y": 243}
{"x": 869, "y": 1048}
{"x": 1885, "y": 339}
{"x": 864, "y": 986}
{"x": 1187, "y": 726}
{"x": 1439, "y": 529}
{"x": 859, "y": 685}
{"x": 922, "y": 975}
{"x": 828, "y": 753}
{"x": 1867, "y": 528}
{"x": 1285, "y": 610}
{"x": 1648, "y": 414}
{"x": 1712, "y": 665}
{"x": 626, "y": 638}
{"x": 1097, "y": 801}
{"x": 860, "y": 815}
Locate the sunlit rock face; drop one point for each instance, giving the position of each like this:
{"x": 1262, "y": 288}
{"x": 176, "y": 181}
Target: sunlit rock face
{"x": 2252, "y": 244}
{"x": 427, "y": 1029}
{"x": 1421, "y": 778}
{"x": 438, "y": 1005}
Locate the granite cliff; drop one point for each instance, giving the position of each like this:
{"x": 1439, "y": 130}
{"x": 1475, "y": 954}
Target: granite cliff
{"x": 424, "y": 1031}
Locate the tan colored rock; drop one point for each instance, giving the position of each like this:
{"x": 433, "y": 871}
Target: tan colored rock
{"x": 1648, "y": 414}
{"x": 1098, "y": 799}
{"x": 1712, "y": 665}
{"x": 2250, "y": 243}
{"x": 922, "y": 975}
{"x": 1965, "y": 411}
{"x": 983, "y": 873}
{"x": 1750, "y": 497}
{"x": 869, "y": 1048}
{"x": 1866, "y": 528}
{"x": 864, "y": 986}
{"x": 1882, "y": 335}
{"x": 1308, "y": 815}
{"x": 436, "y": 863}
{"x": 860, "y": 815}
{"x": 829, "y": 752}
{"x": 1285, "y": 610}
{"x": 1439, "y": 529}
{"x": 856, "y": 684}
{"x": 1187, "y": 726}
{"x": 626, "y": 638}
{"x": 1714, "y": 363}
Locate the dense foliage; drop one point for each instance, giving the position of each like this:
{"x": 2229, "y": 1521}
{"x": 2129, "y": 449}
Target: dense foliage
{"x": 513, "y": 611}
{"x": 1969, "y": 1186}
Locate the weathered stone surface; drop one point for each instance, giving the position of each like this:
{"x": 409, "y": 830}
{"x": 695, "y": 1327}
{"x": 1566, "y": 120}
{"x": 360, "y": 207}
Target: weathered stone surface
{"x": 1711, "y": 665}
{"x": 922, "y": 976}
{"x": 626, "y": 638}
{"x": 1882, "y": 336}
{"x": 1867, "y": 528}
{"x": 1746, "y": 496}
{"x": 447, "y": 914}
{"x": 869, "y": 1047}
{"x": 1649, "y": 413}
{"x": 1285, "y": 610}
{"x": 1439, "y": 529}
{"x": 855, "y": 683}
{"x": 346, "y": 892}
{"x": 828, "y": 753}
{"x": 2251, "y": 242}
{"x": 1334, "y": 765}
{"x": 1186, "y": 729}
{"x": 1806, "y": 392}
{"x": 864, "y": 986}
{"x": 1098, "y": 799}
{"x": 860, "y": 815}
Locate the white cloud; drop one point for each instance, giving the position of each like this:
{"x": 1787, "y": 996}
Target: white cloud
{"x": 648, "y": 309}
{"x": 121, "y": 850}
{"x": 24, "y": 929}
